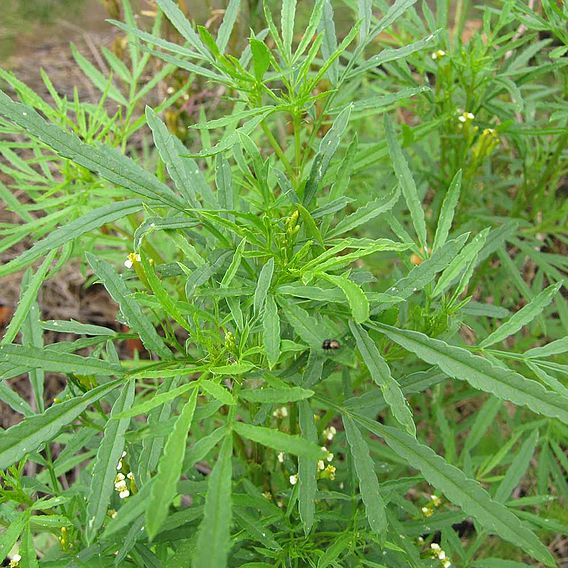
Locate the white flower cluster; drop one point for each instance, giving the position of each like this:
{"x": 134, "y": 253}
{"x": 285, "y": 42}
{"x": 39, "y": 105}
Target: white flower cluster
{"x": 280, "y": 413}
{"x": 438, "y": 54}
{"x": 120, "y": 485}
{"x": 131, "y": 259}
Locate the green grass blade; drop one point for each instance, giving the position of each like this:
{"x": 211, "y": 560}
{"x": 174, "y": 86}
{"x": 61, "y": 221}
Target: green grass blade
{"x": 381, "y": 374}
{"x": 447, "y": 212}
{"x": 480, "y": 373}
{"x": 104, "y": 468}
{"x": 368, "y": 482}
{"x": 279, "y": 440}
{"x": 89, "y": 222}
{"x": 462, "y": 491}
{"x": 523, "y": 317}
{"x": 31, "y": 433}
{"x": 214, "y": 537}
{"x": 28, "y": 297}
{"x": 130, "y": 309}
{"x": 307, "y": 468}
{"x": 164, "y": 485}
{"x": 406, "y": 182}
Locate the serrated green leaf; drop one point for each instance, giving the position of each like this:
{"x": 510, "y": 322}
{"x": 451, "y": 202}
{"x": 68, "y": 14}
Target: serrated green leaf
{"x": 462, "y": 491}
{"x": 447, "y": 212}
{"x": 307, "y": 468}
{"x": 164, "y": 486}
{"x": 276, "y": 395}
{"x": 263, "y": 285}
{"x": 10, "y": 536}
{"x": 327, "y": 148}
{"x": 217, "y": 391}
{"x": 517, "y": 469}
{"x": 104, "y": 468}
{"x": 55, "y": 361}
{"x": 227, "y": 25}
{"x": 213, "y": 540}
{"x": 381, "y": 374}
{"x": 27, "y": 298}
{"x": 104, "y": 160}
{"x": 460, "y": 364}
{"x": 279, "y": 441}
{"x": 406, "y": 182}
{"x": 260, "y": 58}
{"x": 463, "y": 262}
{"x": 287, "y": 19}
{"x": 365, "y": 214}
{"x": 102, "y": 83}
{"x": 356, "y": 298}
{"x": 171, "y": 151}
{"x": 368, "y": 482}
{"x": 271, "y": 330}
{"x": 28, "y": 435}
{"x": 523, "y": 317}
{"x": 93, "y": 220}
{"x": 129, "y": 308}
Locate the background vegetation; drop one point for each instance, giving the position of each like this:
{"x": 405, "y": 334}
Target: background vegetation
{"x": 332, "y": 252}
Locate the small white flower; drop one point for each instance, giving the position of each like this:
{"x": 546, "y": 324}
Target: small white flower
{"x": 435, "y": 546}
{"x": 281, "y": 457}
{"x": 438, "y": 54}
{"x": 129, "y": 263}
{"x": 124, "y": 494}
{"x": 294, "y": 479}
{"x": 447, "y": 564}
{"x": 281, "y": 412}
{"x": 119, "y": 477}
{"x": 329, "y": 433}
{"x": 130, "y": 476}
{"x": 321, "y": 465}
{"x": 442, "y": 555}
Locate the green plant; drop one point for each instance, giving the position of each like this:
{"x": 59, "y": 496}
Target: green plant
{"x": 259, "y": 444}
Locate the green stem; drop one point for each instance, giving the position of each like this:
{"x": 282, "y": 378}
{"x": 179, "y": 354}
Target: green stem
{"x": 278, "y": 150}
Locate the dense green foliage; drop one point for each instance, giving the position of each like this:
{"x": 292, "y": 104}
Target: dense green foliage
{"x": 346, "y": 280}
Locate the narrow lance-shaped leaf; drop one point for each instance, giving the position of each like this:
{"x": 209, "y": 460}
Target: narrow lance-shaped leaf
{"x": 517, "y": 469}
{"x": 460, "y": 364}
{"x": 53, "y": 361}
{"x": 356, "y": 298}
{"x": 524, "y": 316}
{"x": 406, "y": 182}
{"x": 217, "y": 391}
{"x": 128, "y": 306}
{"x": 271, "y": 330}
{"x": 171, "y": 151}
{"x": 164, "y": 486}
{"x": 263, "y": 284}
{"x": 276, "y": 395}
{"x": 463, "y": 262}
{"x": 106, "y": 161}
{"x": 381, "y": 374}
{"x": 329, "y": 43}
{"x": 10, "y": 536}
{"x": 287, "y": 18}
{"x": 459, "y": 489}
{"x": 104, "y": 468}
{"x": 214, "y": 538}
{"x": 447, "y": 212}
{"x": 307, "y": 468}
{"x": 93, "y": 220}
{"x": 28, "y": 297}
{"x": 279, "y": 440}
{"x": 365, "y": 214}
{"x": 29, "y": 434}
{"x": 368, "y": 482}
{"x": 327, "y": 148}
{"x": 227, "y": 25}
